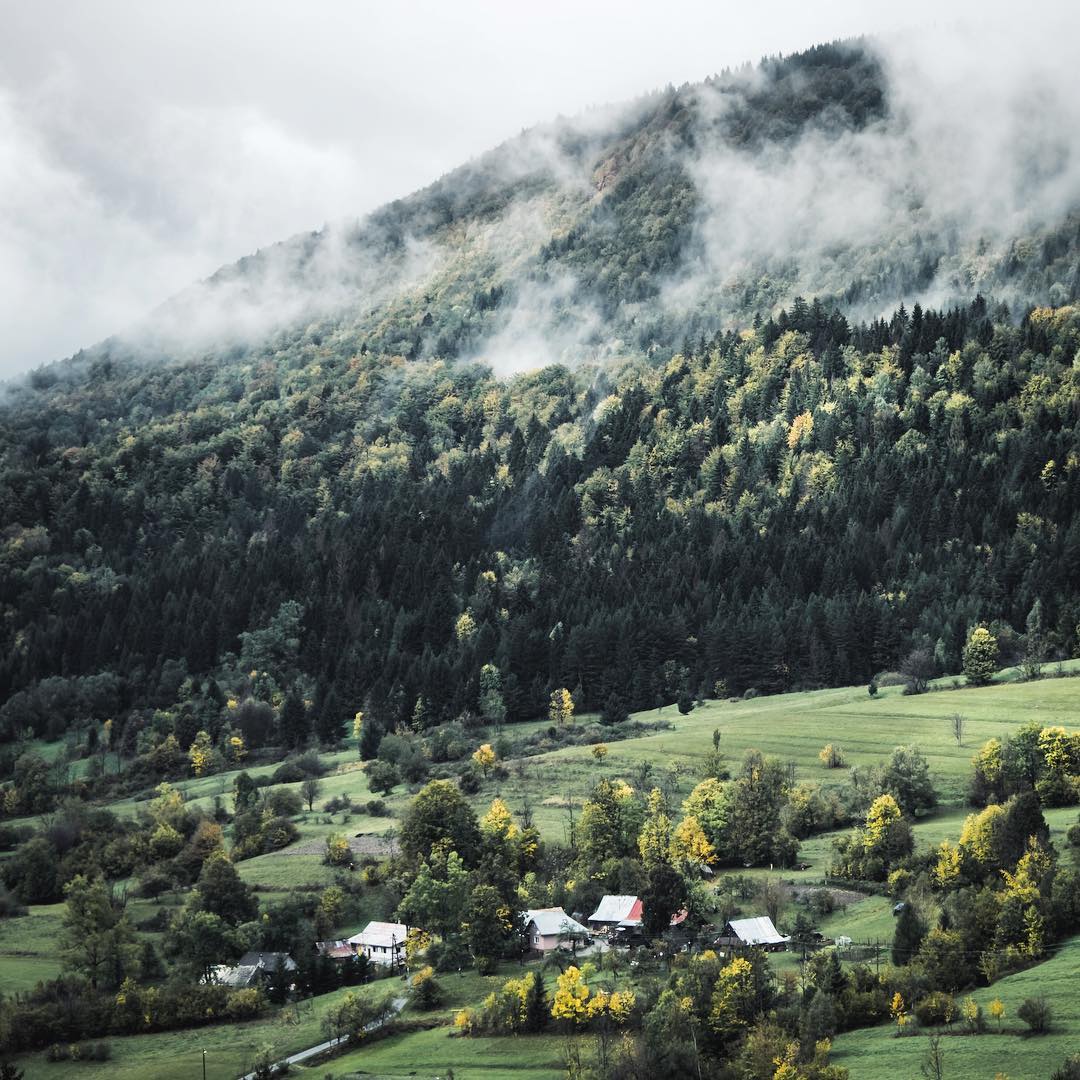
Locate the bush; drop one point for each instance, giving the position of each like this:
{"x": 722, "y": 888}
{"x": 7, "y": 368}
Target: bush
{"x": 889, "y": 678}
{"x": 86, "y": 1051}
{"x": 283, "y": 802}
{"x": 288, "y": 772}
{"x": 426, "y": 992}
{"x": 1035, "y": 1012}
{"x": 382, "y": 776}
{"x": 9, "y": 906}
{"x": 299, "y": 768}
{"x": 376, "y": 808}
{"x": 452, "y": 955}
{"x": 936, "y": 1008}
{"x": 469, "y": 783}
{"x": 1069, "y": 1070}
{"x": 338, "y": 852}
{"x": 832, "y": 757}
{"x": 245, "y": 1004}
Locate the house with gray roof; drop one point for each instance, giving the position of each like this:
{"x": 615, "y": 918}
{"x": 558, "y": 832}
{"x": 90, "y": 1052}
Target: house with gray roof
{"x": 757, "y": 932}
{"x": 550, "y": 928}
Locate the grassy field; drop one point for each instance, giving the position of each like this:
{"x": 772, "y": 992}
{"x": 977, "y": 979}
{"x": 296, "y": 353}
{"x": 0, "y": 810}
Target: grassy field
{"x": 231, "y": 1047}
{"x": 794, "y": 727}
{"x": 28, "y": 948}
{"x": 433, "y": 1053}
{"x": 177, "y": 1055}
{"x": 875, "y": 1054}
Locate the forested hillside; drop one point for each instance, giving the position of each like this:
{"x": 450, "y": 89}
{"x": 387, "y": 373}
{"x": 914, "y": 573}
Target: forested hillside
{"x": 796, "y": 505}
{"x": 317, "y": 473}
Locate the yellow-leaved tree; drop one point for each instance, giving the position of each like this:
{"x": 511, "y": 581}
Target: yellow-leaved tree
{"x": 560, "y": 706}
{"x": 571, "y": 1002}
{"x": 201, "y": 754}
{"x": 484, "y": 757}
{"x": 654, "y": 841}
{"x": 689, "y": 844}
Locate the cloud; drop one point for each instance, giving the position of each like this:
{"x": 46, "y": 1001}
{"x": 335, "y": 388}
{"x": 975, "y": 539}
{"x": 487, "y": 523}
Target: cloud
{"x": 92, "y": 237}
{"x": 980, "y": 146}
{"x": 546, "y": 324}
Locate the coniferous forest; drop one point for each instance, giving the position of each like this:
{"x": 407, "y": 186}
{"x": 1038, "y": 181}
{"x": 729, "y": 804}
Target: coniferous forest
{"x": 797, "y": 505}
{"x": 325, "y": 587}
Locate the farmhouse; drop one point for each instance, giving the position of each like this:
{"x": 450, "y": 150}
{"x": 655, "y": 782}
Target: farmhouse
{"x": 381, "y": 942}
{"x": 548, "y": 928}
{"x": 615, "y": 911}
{"x": 253, "y": 969}
{"x": 335, "y": 950}
{"x": 758, "y": 932}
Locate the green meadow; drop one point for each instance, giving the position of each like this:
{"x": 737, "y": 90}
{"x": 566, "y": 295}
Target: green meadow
{"x": 876, "y": 1054}
{"x": 792, "y": 727}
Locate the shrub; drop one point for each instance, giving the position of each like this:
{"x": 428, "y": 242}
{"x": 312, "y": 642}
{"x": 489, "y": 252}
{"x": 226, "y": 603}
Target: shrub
{"x": 1035, "y": 1012}
{"x": 288, "y": 772}
{"x": 451, "y": 955}
{"x": 936, "y": 1008}
{"x": 1069, "y": 1070}
{"x": 338, "y": 852}
{"x": 888, "y": 678}
{"x": 973, "y": 1016}
{"x": 382, "y": 776}
{"x": 832, "y": 757}
{"x": 86, "y": 1051}
{"x": 376, "y": 808}
{"x": 469, "y": 783}
{"x": 9, "y": 906}
{"x": 426, "y": 992}
{"x": 283, "y": 802}
{"x": 245, "y": 1004}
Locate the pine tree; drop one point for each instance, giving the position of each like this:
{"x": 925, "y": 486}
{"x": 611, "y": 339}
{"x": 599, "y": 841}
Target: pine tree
{"x": 370, "y": 736}
{"x": 330, "y": 722}
{"x": 908, "y": 936}
{"x": 614, "y": 711}
{"x": 293, "y": 721}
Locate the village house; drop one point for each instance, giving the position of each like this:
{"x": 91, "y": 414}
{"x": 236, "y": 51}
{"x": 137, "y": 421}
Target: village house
{"x": 335, "y": 950}
{"x": 757, "y": 932}
{"x": 550, "y": 928}
{"x": 381, "y": 943}
{"x": 253, "y": 969}
{"x": 615, "y": 911}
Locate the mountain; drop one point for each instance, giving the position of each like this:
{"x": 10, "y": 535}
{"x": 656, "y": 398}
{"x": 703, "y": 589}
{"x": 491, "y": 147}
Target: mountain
{"x": 758, "y": 383}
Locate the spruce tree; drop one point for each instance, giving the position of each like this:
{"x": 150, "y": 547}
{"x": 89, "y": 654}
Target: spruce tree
{"x": 329, "y": 722}
{"x": 614, "y": 711}
{"x": 370, "y": 736}
{"x": 293, "y": 721}
{"x": 908, "y": 936}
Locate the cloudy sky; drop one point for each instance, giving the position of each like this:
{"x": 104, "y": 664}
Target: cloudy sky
{"x": 144, "y": 145}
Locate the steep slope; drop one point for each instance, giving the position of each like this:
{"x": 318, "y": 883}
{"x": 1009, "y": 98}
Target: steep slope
{"x": 295, "y": 477}
{"x": 625, "y": 230}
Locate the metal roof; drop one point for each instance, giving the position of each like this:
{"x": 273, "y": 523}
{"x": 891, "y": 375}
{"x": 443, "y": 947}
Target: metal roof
{"x": 615, "y": 909}
{"x": 553, "y": 920}
{"x": 757, "y": 931}
{"x": 383, "y": 934}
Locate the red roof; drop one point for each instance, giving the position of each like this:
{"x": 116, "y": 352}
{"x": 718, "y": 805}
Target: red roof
{"x": 634, "y": 914}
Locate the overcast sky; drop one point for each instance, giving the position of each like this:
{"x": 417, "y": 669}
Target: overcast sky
{"x": 142, "y": 145}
